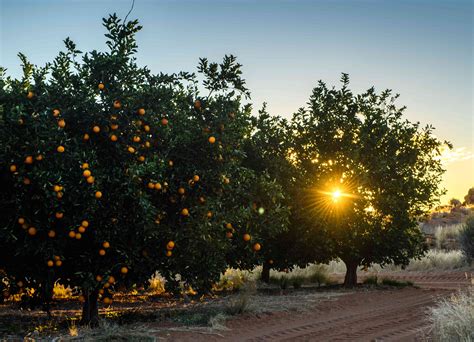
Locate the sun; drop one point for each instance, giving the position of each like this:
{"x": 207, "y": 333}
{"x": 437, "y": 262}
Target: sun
{"x": 336, "y": 194}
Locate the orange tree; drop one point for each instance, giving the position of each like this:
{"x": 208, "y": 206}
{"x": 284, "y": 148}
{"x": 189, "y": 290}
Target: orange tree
{"x": 367, "y": 174}
{"x": 111, "y": 172}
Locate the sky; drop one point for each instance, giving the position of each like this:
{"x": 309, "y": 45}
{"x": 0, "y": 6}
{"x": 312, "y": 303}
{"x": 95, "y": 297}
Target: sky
{"x": 422, "y": 49}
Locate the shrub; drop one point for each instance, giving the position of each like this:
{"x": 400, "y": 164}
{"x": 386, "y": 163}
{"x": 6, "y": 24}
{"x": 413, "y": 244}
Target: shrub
{"x": 467, "y": 239}
{"x": 396, "y": 283}
{"x": 371, "y": 280}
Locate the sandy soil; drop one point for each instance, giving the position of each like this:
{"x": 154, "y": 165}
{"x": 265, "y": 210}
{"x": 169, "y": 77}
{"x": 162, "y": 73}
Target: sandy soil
{"x": 363, "y": 315}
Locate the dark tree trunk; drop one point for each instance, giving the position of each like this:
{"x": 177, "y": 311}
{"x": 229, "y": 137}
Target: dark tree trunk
{"x": 90, "y": 309}
{"x": 266, "y": 272}
{"x": 350, "y": 280}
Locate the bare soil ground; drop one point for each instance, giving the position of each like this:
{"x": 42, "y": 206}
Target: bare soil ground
{"x": 363, "y": 315}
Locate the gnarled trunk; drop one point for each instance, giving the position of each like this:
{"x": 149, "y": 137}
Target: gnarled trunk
{"x": 350, "y": 280}
{"x": 90, "y": 309}
{"x": 266, "y": 272}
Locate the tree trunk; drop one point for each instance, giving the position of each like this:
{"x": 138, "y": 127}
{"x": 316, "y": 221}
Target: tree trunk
{"x": 90, "y": 310}
{"x": 266, "y": 272}
{"x": 350, "y": 280}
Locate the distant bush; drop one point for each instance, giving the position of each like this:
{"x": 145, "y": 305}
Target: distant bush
{"x": 395, "y": 283}
{"x": 467, "y": 239}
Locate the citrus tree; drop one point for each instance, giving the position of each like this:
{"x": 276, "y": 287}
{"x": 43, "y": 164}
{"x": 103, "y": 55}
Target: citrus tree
{"x": 111, "y": 172}
{"x": 367, "y": 174}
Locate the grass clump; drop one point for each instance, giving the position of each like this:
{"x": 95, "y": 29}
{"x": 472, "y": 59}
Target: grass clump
{"x": 467, "y": 239}
{"x": 396, "y": 283}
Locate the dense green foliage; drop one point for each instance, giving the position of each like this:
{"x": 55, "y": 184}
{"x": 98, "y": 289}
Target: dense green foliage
{"x": 466, "y": 237}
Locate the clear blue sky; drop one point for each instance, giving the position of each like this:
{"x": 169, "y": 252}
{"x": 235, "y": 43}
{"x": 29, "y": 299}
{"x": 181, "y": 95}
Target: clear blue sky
{"x": 420, "y": 49}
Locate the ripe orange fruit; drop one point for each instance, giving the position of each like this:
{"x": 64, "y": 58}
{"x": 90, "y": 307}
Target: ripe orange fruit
{"x": 101, "y": 86}
{"x": 185, "y": 212}
{"x": 102, "y": 252}
{"x": 82, "y": 229}
{"x": 106, "y": 285}
{"x": 13, "y": 168}
{"x": 141, "y": 111}
{"x": 98, "y": 194}
{"x": 51, "y": 233}
{"x": 229, "y": 235}
{"x": 78, "y": 236}
{"x": 136, "y": 139}
{"x": 107, "y": 301}
{"x": 62, "y": 123}
{"x": 72, "y": 234}
{"x": 111, "y": 280}
{"x": 124, "y": 270}
{"x": 98, "y": 278}
{"x": 21, "y": 220}
{"x": 87, "y": 173}
{"x": 57, "y": 188}
{"x": 50, "y": 263}
{"x": 96, "y": 129}
{"x": 56, "y": 112}
{"x": 85, "y": 223}
{"x": 181, "y": 191}
{"x": 106, "y": 244}
{"x": 32, "y": 231}
{"x": 228, "y": 225}
{"x": 29, "y": 160}
{"x": 59, "y": 215}
{"x": 113, "y": 127}
{"x": 39, "y": 157}
{"x": 247, "y": 237}
{"x": 141, "y": 158}
{"x": 86, "y": 137}
{"x": 196, "y": 178}
{"x": 131, "y": 149}
{"x": 151, "y": 185}
{"x": 212, "y": 140}
{"x": 60, "y": 149}
{"x": 30, "y": 95}
{"x": 146, "y": 128}
{"x": 147, "y": 144}
{"x": 85, "y": 165}
{"x": 117, "y": 104}
{"x": 113, "y": 137}
{"x": 169, "y": 253}
{"x": 209, "y": 214}
{"x": 58, "y": 263}
{"x": 164, "y": 121}
{"x": 157, "y": 186}
{"x": 101, "y": 291}
{"x": 26, "y": 181}
{"x": 90, "y": 179}
{"x": 256, "y": 247}
{"x": 170, "y": 245}
{"x": 197, "y": 104}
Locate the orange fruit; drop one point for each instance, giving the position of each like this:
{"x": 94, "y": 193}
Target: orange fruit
{"x": 85, "y": 223}
{"x": 124, "y": 270}
{"x": 111, "y": 280}
{"x": 185, "y": 212}
{"x": 131, "y": 149}
{"x": 56, "y": 112}
{"x": 82, "y": 229}
{"x": 141, "y": 158}
{"x": 209, "y": 214}
{"x": 101, "y": 86}
{"x": 141, "y": 111}
{"x": 26, "y": 181}
{"x": 30, "y": 95}
{"x": 96, "y": 129}
{"x": 171, "y": 163}
{"x": 87, "y": 173}
{"x": 50, "y": 263}
{"x": 62, "y": 123}
{"x": 229, "y": 235}
{"x": 146, "y": 128}
{"x": 106, "y": 285}
{"x": 85, "y": 165}
{"x": 257, "y": 247}
{"x": 151, "y": 185}
{"x": 86, "y": 137}
{"x": 39, "y": 157}
{"x": 21, "y": 220}
{"x": 59, "y": 195}
{"x": 98, "y": 194}
{"x": 147, "y": 144}
{"x": 196, "y": 178}
{"x": 157, "y": 186}
{"x": 107, "y": 301}
{"x": 72, "y": 234}
{"x": 58, "y": 263}
{"x": 164, "y": 121}
{"x": 101, "y": 291}
{"x": 117, "y": 104}
{"x": 169, "y": 253}
{"x": 51, "y": 233}
{"x": 60, "y": 149}
{"x": 212, "y": 140}
{"x": 59, "y": 215}
{"x": 102, "y": 252}
{"x": 113, "y": 137}
{"x": 113, "y": 127}
{"x": 57, "y": 188}
{"x": 13, "y": 168}
{"x": 197, "y": 104}
{"x": 170, "y": 245}
{"x": 98, "y": 278}
{"x": 228, "y": 225}
{"x": 90, "y": 179}
{"x": 106, "y": 244}
{"x": 29, "y": 160}
{"x": 136, "y": 139}
{"x": 181, "y": 191}
{"x": 32, "y": 231}
{"x": 78, "y": 236}
{"x": 247, "y": 237}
